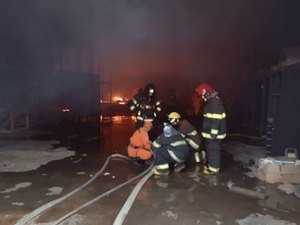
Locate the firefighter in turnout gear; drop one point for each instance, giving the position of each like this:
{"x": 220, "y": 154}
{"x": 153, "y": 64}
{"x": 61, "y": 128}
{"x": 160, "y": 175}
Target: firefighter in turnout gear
{"x": 139, "y": 146}
{"x": 145, "y": 105}
{"x": 170, "y": 147}
{"x": 190, "y": 134}
{"x": 213, "y": 127}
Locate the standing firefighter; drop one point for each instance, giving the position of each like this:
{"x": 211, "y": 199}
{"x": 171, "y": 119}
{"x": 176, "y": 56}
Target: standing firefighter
{"x": 189, "y": 132}
{"x": 145, "y": 105}
{"x": 170, "y": 147}
{"x": 213, "y": 127}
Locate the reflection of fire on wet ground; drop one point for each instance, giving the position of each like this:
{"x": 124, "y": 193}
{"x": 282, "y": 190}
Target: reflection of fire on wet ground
{"x": 116, "y": 135}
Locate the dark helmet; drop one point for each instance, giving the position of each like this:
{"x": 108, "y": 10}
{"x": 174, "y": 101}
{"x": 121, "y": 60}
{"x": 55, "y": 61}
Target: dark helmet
{"x": 150, "y": 90}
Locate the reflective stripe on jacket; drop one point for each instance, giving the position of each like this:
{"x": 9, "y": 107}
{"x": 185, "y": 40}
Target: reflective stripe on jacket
{"x": 190, "y": 133}
{"x": 214, "y": 119}
{"x": 144, "y": 107}
{"x": 176, "y": 146}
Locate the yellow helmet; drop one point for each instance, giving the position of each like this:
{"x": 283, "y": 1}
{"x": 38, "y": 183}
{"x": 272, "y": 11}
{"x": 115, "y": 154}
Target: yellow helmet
{"x": 174, "y": 115}
{"x": 174, "y": 118}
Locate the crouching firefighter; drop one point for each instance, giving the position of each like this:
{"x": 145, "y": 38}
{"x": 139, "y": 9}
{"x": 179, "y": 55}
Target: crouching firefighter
{"x": 139, "y": 145}
{"x": 170, "y": 147}
{"x": 190, "y": 134}
{"x": 213, "y": 127}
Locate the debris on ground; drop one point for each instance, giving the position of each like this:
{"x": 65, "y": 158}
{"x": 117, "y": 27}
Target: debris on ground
{"x": 272, "y": 170}
{"x": 286, "y": 188}
{"x": 247, "y": 192}
{"x": 263, "y": 220}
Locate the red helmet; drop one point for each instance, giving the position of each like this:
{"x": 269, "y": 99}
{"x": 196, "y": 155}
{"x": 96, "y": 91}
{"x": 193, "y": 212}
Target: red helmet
{"x": 204, "y": 88}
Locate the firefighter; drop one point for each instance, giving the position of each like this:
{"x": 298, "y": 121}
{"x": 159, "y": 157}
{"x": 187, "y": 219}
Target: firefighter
{"x": 213, "y": 127}
{"x": 139, "y": 145}
{"x": 190, "y": 134}
{"x": 145, "y": 105}
{"x": 170, "y": 147}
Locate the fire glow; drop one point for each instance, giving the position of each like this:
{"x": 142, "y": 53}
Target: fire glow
{"x": 119, "y": 100}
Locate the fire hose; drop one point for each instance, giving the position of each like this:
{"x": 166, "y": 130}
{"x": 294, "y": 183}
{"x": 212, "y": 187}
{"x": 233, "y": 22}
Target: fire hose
{"x": 125, "y": 209}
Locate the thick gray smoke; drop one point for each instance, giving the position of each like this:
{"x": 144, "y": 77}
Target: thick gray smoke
{"x": 172, "y": 43}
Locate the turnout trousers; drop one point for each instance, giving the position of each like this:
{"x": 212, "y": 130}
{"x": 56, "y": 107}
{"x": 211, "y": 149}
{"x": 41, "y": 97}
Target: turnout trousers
{"x": 213, "y": 152}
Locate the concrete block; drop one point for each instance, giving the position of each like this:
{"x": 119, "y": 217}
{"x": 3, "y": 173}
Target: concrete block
{"x": 272, "y": 170}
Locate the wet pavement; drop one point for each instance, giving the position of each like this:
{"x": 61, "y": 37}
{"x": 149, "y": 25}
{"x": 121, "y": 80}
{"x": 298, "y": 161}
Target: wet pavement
{"x": 182, "y": 198}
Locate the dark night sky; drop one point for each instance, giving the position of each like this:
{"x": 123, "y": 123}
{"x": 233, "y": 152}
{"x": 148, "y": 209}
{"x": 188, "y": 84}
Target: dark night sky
{"x": 173, "y": 43}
